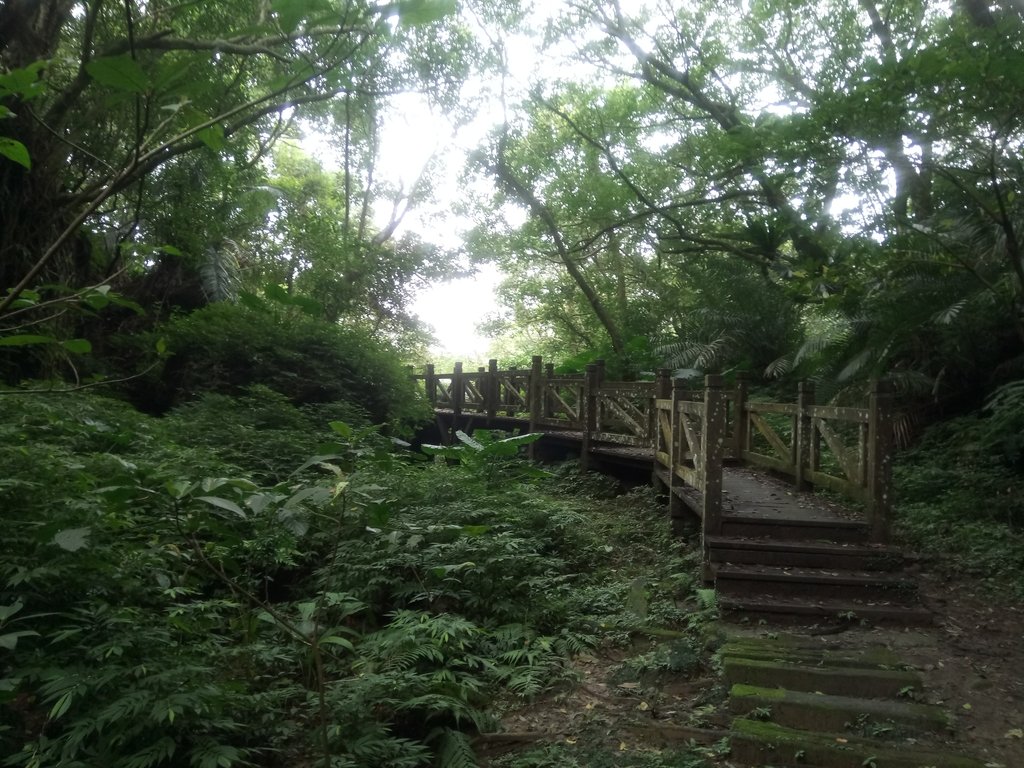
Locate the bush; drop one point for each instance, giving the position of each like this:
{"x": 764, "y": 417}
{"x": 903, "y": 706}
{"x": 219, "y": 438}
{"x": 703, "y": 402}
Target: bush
{"x": 226, "y": 348}
{"x": 960, "y": 495}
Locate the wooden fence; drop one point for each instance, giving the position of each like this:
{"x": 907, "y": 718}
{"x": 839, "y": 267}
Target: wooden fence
{"x": 691, "y": 433}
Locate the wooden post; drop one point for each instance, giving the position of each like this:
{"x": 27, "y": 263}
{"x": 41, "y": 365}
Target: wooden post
{"x": 663, "y": 384}
{"x": 804, "y": 434}
{"x": 601, "y": 373}
{"x": 535, "y": 398}
{"x": 662, "y": 391}
{"x": 510, "y": 402}
{"x": 549, "y": 401}
{"x": 880, "y": 450}
{"x": 712, "y": 448}
{"x": 741, "y": 428}
{"x": 458, "y": 395}
{"x": 676, "y": 507}
{"x": 492, "y": 386}
{"x": 589, "y": 412}
{"x": 430, "y": 382}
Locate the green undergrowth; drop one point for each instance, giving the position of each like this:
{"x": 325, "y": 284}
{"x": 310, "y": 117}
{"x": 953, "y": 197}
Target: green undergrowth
{"x": 960, "y": 493}
{"x": 242, "y": 583}
{"x": 588, "y": 756}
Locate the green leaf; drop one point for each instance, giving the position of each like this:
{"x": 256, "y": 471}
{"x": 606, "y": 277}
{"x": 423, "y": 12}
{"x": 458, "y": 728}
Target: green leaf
{"x": 466, "y": 439}
{"x": 161, "y": 346}
{"x": 475, "y": 530}
{"x": 227, "y": 504}
{"x": 121, "y": 73}
{"x": 341, "y": 428}
{"x": 25, "y": 83}
{"x": 414, "y": 13}
{"x": 6, "y": 611}
{"x": 213, "y": 137}
{"x": 309, "y": 306}
{"x": 179, "y": 489}
{"x": 10, "y": 639}
{"x": 25, "y": 339}
{"x": 62, "y": 705}
{"x": 77, "y": 346}
{"x": 170, "y": 250}
{"x": 335, "y": 640}
{"x": 277, "y": 293}
{"x": 72, "y": 539}
{"x": 16, "y": 151}
{"x": 252, "y": 301}
{"x": 290, "y": 13}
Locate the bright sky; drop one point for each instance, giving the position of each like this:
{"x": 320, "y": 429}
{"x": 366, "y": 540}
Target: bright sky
{"x": 412, "y": 134}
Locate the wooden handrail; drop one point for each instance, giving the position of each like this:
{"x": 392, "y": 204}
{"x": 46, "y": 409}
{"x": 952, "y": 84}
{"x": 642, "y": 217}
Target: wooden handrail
{"x": 691, "y": 433}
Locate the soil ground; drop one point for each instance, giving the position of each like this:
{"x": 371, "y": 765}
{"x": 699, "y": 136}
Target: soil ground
{"x": 629, "y": 707}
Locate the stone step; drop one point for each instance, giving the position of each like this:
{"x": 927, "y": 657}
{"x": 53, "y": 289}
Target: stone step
{"x": 757, "y": 743}
{"x": 871, "y": 683}
{"x": 751, "y": 526}
{"x": 803, "y": 651}
{"x": 824, "y": 712}
{"x": 803, "y": 554}
{"x": 775, "y": 608}
{"x": 744, "y": 579}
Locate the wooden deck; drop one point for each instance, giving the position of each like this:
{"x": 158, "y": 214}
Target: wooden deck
{"x": 741, "y": 473}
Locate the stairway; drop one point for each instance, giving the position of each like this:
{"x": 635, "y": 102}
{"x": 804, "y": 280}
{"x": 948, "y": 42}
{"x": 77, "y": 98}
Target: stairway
{"x": 811, "y": 567}
{"x": 797, "y": 703}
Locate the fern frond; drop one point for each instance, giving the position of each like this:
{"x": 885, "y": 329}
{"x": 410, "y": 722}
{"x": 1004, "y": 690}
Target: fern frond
{"x": 219, "y": 272}
{"x": 455, "y": 750}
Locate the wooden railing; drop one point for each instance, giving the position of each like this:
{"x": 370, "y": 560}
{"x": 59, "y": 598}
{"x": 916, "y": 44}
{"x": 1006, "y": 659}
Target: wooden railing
{"x": 692, "y": 432}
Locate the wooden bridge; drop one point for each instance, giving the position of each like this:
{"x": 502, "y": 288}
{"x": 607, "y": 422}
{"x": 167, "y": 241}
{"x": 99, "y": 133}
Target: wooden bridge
{"x": 737, "y": 467}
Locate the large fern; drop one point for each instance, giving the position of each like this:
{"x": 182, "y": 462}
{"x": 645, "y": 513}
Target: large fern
{"x": 220, "y": 271}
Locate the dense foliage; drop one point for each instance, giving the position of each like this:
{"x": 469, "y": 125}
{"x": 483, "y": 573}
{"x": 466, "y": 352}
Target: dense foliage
{"x": 233, "y": 560}
{"x": 194, "y": 591}
{"x": 744, "y": 186}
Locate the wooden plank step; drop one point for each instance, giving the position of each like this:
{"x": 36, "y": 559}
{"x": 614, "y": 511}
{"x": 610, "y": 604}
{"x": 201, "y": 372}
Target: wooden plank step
{"x": 870, "y": 683}
{"x": 752, "y": 526}
{"x": 809, "y": 582}
{"x": 759, "y": 743}
{"x": 826, "y": 712}
{"x": 806, "y": 554}
{"x": 775, "y": 608}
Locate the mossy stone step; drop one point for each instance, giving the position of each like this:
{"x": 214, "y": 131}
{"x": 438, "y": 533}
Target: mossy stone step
{"x": 759, "y": 743}
{"x": 839, "y": 681}
{"x": 824, "y": 712}
{"x": 796, "y": 652}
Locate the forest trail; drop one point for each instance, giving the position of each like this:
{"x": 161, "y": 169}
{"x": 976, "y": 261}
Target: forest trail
{"x": 630, "y": 707}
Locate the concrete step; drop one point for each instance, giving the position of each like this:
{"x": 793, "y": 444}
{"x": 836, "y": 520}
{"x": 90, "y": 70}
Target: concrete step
{"x": 839, "y": 714}
{"x": 750, "y": 526}
{"x": 803, "y": 554}
{"x": 741, "y": 580}
{"x": 757, "y": 743}
{"x": 775, "y": 608}
{"x": 794, "y": 675}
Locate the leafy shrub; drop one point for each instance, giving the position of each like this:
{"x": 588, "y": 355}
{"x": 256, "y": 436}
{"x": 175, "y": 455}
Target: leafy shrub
{"x": 225, "y": 348}
{"x": 172, "y": 595}
{"x": 960, "y": 497}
